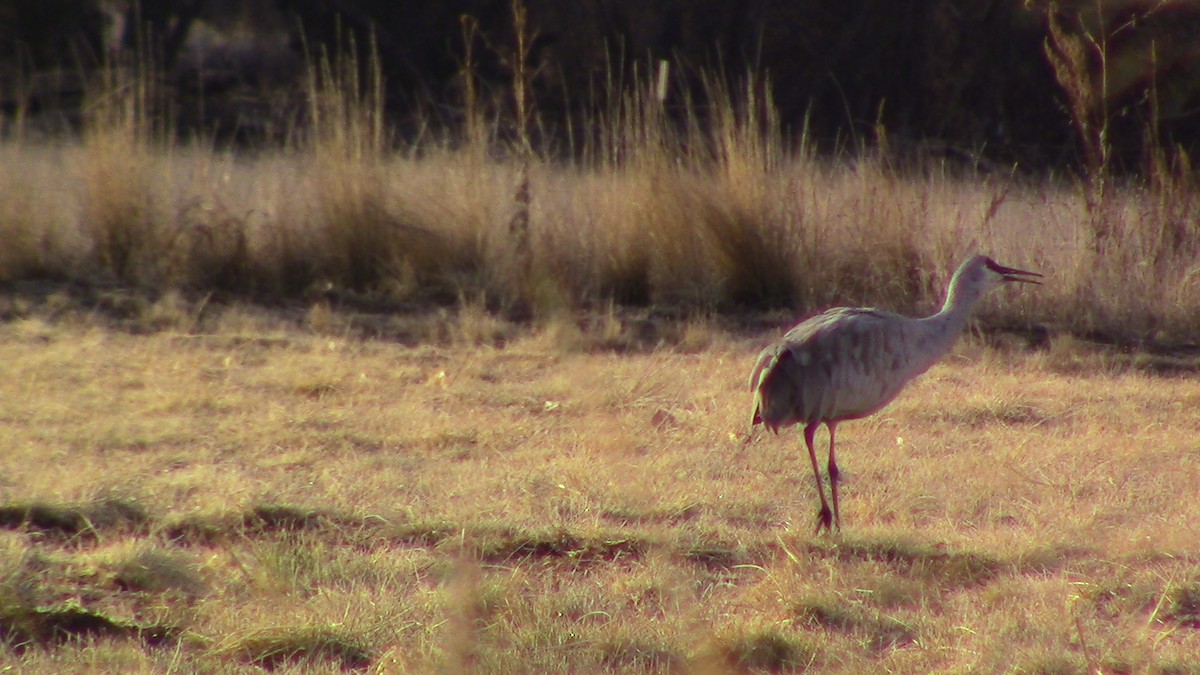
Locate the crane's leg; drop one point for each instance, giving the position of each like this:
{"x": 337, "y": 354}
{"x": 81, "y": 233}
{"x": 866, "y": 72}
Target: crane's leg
{"x": 833, "y": 476}
{"x": 824, "y": 517}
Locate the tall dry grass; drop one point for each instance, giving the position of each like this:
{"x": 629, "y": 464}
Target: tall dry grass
{"x": 722, "y": 212}
{"x": 123, "y": 174}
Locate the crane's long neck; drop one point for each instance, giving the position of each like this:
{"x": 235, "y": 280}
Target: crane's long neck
{"x": 941, "y": 330}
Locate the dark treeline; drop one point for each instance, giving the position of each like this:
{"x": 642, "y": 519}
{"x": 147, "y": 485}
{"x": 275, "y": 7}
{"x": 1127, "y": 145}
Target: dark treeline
{"x": 1027, "y": 82}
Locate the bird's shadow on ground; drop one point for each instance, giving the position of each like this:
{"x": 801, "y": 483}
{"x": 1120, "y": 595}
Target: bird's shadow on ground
{"x": 931, "y": 561}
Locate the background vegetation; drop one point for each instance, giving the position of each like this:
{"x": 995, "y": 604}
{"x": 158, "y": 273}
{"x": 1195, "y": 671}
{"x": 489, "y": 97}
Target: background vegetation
{"x": 990, "y": 82}
{"x": 475, "y": 163}
{"x": 725, "y": 215}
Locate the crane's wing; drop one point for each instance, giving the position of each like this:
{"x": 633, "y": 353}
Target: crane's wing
{"x": 844, "y": 363}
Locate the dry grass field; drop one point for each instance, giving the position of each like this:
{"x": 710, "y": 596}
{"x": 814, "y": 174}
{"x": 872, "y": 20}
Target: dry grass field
{"x": 455, "y": 407}
{"x": 213, "y": 491}
{"x": 725, "y": 213}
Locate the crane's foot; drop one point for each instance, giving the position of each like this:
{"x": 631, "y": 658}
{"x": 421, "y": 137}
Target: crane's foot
{"x": 824, "y": 520}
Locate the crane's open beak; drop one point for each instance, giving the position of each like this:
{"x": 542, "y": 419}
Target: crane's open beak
{"x": 1012, "y": 274}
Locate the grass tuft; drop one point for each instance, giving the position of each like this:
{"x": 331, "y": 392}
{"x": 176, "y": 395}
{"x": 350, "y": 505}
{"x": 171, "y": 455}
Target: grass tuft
{"x": 103, "y": 513}
{"x": 715, "y": 555}
{"x": 770, "y": 648}
{"x": 625, "y": 654}
{"x": 493, "y": 543}
{"x": 155, "y": 570}
{"x": 285, "y": 517}
{"x": 35, "y": 246}
{"x": 122, "y": 214}
{"x": 563, "y": 544}
{"x": 1184, "y": 605}
{"x": 280, "y": 647}
{"x": 22, "y": 624}
{"x": 55, "y": 517}
{"x": 202, "y": 529}
{"x": 218, "y": 251}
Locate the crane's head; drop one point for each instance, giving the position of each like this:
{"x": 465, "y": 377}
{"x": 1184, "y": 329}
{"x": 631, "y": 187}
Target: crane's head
{"x": 980, "y": 274}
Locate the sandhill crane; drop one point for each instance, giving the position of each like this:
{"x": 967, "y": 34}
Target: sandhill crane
{"x": 849, "y": 362}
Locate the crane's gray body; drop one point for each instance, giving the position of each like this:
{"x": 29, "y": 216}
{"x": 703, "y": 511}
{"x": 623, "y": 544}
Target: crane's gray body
{"x": 842, "y": 364}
